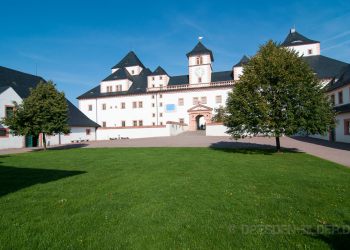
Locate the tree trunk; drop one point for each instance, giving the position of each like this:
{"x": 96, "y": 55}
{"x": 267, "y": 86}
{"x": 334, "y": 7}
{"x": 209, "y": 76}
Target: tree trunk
{"x": 278, "y": 144}
{"x": 44, "y": 141}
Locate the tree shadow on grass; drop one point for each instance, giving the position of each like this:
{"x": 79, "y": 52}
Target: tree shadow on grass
{"x": 13, "y": 179}
{"x": 248, "y": 148}
{"x": 337, "y": 237}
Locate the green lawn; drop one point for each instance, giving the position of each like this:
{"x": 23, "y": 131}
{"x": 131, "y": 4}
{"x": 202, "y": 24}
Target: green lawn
{"x": 172, "y": 198}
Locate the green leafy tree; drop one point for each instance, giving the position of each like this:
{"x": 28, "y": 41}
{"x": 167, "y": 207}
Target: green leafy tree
{"x": 219, "y": 115}
{"x": 277, "y": 95}
{"x": 44, "y": 111}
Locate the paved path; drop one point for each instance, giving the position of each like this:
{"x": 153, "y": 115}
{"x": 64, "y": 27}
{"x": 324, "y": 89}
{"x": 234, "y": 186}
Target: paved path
{"x": 336, "y": 152}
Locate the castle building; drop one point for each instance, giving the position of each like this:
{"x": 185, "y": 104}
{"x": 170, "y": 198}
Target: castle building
{"x": 14, "y": 87}
{"x": 135, "y": 102}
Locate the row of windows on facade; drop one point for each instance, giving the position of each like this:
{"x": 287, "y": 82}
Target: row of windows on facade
{"x": 139, "y": 123}
{"x": 340, "y": 97}
{"x": 181, "y": 102}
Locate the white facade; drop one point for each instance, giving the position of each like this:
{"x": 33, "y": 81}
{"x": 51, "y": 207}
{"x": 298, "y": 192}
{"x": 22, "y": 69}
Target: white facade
{"x": 6, "y": 100}
{"x": 77, "y": 134}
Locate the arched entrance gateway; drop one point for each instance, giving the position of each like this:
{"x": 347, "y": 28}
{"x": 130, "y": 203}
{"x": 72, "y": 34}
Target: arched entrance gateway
{"x": 199, "y": 117}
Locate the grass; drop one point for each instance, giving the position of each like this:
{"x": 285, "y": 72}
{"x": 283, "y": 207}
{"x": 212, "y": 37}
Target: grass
{"x": 172, "y": 198}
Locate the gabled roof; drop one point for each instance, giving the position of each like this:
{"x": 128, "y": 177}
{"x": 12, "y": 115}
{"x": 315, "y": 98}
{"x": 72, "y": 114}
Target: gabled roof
{"x": 78, "y": 119}
{"x": 19, "y": 81}
{"x": 159, "y": 71}
{"x": 294, "y": 39}
{"x": 200, "y": 49}
{"x": 244, "y": 60}
{"x": 129, "y": 60}
{"x": 325, "y": 67}
{"x": 23, "y": 82}
{"x": 343, "y": 80}
{"x": 120, "y": 74}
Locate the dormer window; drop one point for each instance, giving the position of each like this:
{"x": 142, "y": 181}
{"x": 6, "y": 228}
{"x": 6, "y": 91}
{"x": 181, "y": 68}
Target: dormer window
{"x": 152, "y": 78}
{"x": 133, "y": 72}
{"x": 160, "y": 78}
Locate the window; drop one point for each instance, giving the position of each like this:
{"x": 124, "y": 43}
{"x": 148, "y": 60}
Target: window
{"x": 181, "y": 102}
{"x": 161, "y": 123}
{"x": 204, "y": 99}
{"x": 182, "y": 120}
{"x": 134, "y": 123}
{"x": 309, "y": 51}
{"x": 340, "y": 97}
{"x": 153, "y": 124}
{"x": 140, "y": 105}
{"x": 160, "y": 96}
{"x": 104, "y": 106}
{"x": 333, "y": 99}
{"x": 195, "y": 100}
{"x": 9, "y": 111}
{"x": 90, "y": 107}
{"x": 199, "y": 60}
{"x": 347, "y": 127}
{"x": 118, "y": 88}
{"x": 140, "y": 123}
{"x": 87, "y": 131}
{"x": 3, "y": 132}
{"x": 160, "y": 114}
{"x": 160, "y": 104}
{"x": 123, "y": 105}
{"x": 160, "y": 78}
{"x": 152, "y": 78}
{"x": 161, "y": 85}
{"x": 132, "y": 72}
{"x": 134, "y": 105}
{"x": 152, "y": 96}
{"x": 199, "y": 79}
{"x": 153, "y": 85}
{"x": 153, "y": 105}
{"x": 123, "y": 123}
{"x": 109, "y": 89}
{"x": 218, "y": 99}
{"x": 153, "y": 115}
{"x": 104, "y": 124}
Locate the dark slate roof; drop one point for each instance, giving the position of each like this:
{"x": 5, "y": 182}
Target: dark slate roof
{"x": 342, "y": 81}
{"x": 244, "y": 60}
{"x": 120, "y": 74}
{"x": 129, "y": 60}
{"x": 294, "y": 39}
{"x": 2, "y": 89}
{"x": 159, "y": 71}
{"x": 200, "y": 49}
{"x": 19, "y": 81}
{"x": 76, "y": 118}
{"x": 139, "y": 84}
{"x": 325, "y": 67}
{"x": 343, "y": 108}
{"x": 23, "y": 82}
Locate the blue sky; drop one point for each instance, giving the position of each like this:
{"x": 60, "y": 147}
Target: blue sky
{"x": 75, "y": 43}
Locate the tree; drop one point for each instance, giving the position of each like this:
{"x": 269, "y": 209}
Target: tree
{"x": 278, "y": 94}
{"x": 44, "y": 111}
{"x": 219, "y": 114}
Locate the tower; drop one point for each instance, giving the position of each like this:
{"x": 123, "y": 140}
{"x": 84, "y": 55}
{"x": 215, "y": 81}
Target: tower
{"x": 200, "y": 61}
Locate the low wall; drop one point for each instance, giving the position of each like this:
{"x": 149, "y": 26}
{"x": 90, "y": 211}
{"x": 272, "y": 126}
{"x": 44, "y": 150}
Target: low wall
{"x": 131, "y": 132}
{"x": 216, "y": 129}
{"x": 176, "y": 128}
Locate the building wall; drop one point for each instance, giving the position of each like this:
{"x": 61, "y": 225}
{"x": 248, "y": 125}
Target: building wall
{"x": 205, "y": 67}
{"x": 303, "y": 50}
{"x": 216, "y": 130}
{"x": 340, "y": 134}
{"x": 76, "y": 134}
{"x": 6, "y": 99}
{"x": 157, "y": 108}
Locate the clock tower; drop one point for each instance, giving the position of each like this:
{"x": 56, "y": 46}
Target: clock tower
{"x": 200, "y": 64}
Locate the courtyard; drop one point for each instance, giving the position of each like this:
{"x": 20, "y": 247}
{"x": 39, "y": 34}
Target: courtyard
{"x": 166, "y": 198}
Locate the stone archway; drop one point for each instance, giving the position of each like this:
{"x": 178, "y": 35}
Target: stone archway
{"x": 196, "y": 112}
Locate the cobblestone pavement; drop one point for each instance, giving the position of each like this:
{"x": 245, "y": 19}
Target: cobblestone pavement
{"x": 336, "y": 152}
